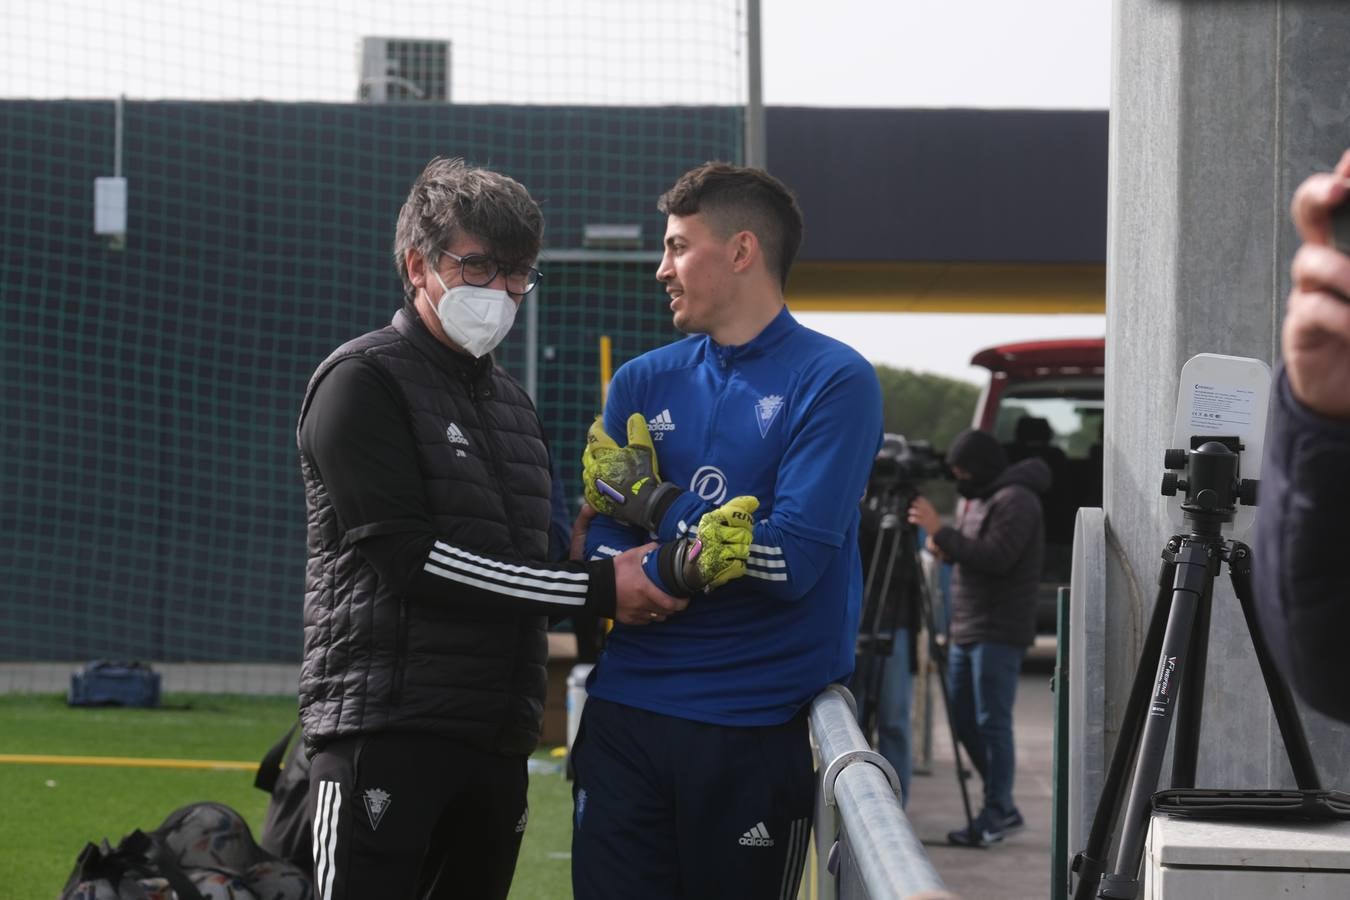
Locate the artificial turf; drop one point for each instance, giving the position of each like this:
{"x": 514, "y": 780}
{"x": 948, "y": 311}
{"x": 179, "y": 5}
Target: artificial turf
{"x": 52, "y": 810}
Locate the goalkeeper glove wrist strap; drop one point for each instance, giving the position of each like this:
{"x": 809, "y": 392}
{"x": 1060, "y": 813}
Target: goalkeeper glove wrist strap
{"x": 664, "y": 496}
{"x": 670, "y": 560}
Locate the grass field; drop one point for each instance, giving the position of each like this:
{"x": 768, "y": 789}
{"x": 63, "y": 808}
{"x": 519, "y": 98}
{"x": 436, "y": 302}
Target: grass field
{"x": 52, "y": 810}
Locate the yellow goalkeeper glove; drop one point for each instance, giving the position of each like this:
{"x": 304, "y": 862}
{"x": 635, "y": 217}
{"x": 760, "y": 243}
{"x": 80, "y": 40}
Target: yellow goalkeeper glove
{"x": 624, "y": 482}
{"x": 716, "y": 554}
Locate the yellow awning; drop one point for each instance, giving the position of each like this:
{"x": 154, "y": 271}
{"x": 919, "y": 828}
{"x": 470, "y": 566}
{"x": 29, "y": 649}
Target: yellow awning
{"x": 947, "y": 287}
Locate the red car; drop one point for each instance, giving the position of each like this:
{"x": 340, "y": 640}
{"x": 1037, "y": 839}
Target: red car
{"x": 1045, "y": 398}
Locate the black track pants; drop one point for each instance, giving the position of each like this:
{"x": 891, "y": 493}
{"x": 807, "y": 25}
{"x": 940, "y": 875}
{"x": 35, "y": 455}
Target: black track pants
{"x": 671, "y": 809}
{"x": 414, "y": 816}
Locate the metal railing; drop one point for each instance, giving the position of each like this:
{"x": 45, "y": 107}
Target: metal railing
{"x": 876, "y": 855}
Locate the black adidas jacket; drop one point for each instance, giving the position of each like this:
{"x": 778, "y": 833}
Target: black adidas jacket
{"x": 427, "y": 488}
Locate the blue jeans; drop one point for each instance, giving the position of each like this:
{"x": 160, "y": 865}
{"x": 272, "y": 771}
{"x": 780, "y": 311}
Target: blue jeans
{"x": 982, "y": 679}
{"x": 894, "y": 693}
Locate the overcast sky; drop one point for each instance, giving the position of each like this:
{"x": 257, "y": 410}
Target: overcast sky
{"x": 1034, "y": 54}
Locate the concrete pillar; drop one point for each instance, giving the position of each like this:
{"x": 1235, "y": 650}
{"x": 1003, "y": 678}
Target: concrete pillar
{"x": 1219, "y": 109}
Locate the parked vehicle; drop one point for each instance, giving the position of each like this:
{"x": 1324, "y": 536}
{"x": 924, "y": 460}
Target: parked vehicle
{"x": 1045, "y": 398}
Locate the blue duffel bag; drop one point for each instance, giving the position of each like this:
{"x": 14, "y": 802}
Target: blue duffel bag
{"x": 105, "y": 682}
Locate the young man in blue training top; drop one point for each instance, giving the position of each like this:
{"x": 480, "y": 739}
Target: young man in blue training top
{"x": 693, "y": 765}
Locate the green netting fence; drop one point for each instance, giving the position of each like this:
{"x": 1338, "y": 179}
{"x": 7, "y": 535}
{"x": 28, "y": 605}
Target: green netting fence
{"x": 153, "y": 506}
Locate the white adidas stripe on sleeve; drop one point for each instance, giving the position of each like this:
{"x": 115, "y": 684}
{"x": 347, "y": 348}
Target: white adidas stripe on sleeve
{"x": 509, "y": 579}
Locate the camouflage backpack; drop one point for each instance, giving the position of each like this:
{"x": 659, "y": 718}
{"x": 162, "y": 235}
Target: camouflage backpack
{"x": 203, "y": 851}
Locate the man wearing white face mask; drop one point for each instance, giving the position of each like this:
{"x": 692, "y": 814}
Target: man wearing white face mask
{"x": 427, "y": 488}
{"x": 473, "y": 316}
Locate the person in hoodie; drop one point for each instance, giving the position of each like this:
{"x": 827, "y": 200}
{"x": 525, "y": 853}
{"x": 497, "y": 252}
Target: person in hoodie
{"x": 996, "y": 550}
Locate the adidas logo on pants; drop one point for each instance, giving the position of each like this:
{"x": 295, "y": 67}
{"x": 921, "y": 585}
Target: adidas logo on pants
{"x": 757, "y": 837}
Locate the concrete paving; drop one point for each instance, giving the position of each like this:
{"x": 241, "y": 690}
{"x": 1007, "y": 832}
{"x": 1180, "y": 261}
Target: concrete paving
{"x": 1019, "y": 867}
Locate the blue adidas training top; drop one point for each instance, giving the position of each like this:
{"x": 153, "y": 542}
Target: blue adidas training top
{"x": 793, "y": 418}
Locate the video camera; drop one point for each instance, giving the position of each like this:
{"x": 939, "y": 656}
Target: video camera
{"x": 902, "y": 463}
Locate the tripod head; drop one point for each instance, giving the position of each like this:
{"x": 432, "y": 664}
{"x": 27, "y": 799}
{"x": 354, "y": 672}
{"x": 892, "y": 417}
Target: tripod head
{"x": 1211, "y": 486}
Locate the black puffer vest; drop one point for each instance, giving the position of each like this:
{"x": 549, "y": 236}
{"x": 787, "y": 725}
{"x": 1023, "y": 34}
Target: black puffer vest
{"x": 376, "y": 661}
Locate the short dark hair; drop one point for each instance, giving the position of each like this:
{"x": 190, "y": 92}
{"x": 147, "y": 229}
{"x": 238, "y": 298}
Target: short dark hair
{"x": 738, "y": 198}
{"x": 451, "y": 198}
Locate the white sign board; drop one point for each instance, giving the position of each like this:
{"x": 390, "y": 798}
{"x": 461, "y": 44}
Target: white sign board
{"x": 1222, "y": 396}
{"x": 110, "y": 206}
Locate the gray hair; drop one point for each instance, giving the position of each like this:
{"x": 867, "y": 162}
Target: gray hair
{"x": 451, "y": 198}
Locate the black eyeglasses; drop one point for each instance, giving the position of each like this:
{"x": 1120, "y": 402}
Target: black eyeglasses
{"x": 480, "y": 270}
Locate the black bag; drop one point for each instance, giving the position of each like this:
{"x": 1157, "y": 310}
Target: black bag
{"x": 129, "y": 872}
{"x": 106, "y": 682}
{"x": 1258, "y": 805}
{"x": 201, "y": 850}
{"x": 287, "y": 831}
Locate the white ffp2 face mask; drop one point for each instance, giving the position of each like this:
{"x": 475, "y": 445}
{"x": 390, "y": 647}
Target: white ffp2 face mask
{"x": 475, "y": 318}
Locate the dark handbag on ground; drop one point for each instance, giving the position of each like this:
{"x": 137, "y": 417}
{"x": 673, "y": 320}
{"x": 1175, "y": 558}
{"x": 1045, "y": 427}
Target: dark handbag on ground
{"x": 1253, "y": 805}
{"x": 107, "y": 682}
{"x": 287, "y": 831}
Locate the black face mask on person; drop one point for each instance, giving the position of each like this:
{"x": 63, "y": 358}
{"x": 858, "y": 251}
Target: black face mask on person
{"x": 970, "y": 488}
{"x": 978, "y": 457}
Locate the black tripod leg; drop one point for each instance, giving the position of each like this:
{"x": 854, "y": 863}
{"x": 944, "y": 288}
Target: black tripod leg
{"x": 1194, "y": 576}
{"x": 873, "y": 665}
{"x": 1091, "y": 862}
{"x": 1286, "y": 713}
{"x": 938, "y": 655}
{"x": 872, "y": 649}
{"x": 1191, "y": 695}
{"x": 962, "y": 773}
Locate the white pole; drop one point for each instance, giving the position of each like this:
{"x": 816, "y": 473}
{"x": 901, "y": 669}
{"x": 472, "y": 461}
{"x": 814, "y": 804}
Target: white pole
{"x": 754, "y": 101}
{"x": 117, "y": 136}
{"x": 532, "y": 343}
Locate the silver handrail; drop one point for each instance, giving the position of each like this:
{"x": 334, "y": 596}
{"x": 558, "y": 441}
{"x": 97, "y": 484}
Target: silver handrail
{"x": 878, "y": 856}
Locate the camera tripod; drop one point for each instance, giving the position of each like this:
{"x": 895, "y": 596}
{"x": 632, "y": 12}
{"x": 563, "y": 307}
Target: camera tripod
{"x": 1178, "y": 640}
{"x": 898, "y": 537}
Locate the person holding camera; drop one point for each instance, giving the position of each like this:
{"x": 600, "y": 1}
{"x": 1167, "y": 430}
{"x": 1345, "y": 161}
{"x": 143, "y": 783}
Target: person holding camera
{"x": 996, "y": 549}
{"x": 1302, "y": 586}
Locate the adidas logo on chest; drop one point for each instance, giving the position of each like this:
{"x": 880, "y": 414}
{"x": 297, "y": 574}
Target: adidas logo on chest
{"x": 455, "y": 436}
{"x": 659, "y": 424}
